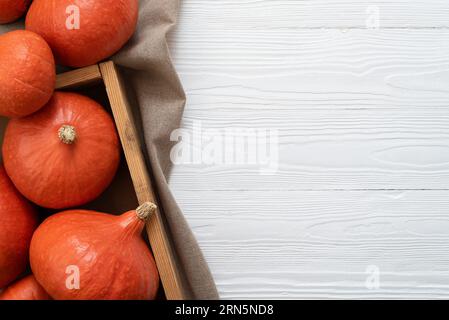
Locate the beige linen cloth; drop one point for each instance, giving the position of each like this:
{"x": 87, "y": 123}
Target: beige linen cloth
{"x": 156, "y": 90}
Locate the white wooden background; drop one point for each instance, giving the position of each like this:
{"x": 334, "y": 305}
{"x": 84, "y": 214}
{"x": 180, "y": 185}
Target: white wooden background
{"x": 363, "y": 120}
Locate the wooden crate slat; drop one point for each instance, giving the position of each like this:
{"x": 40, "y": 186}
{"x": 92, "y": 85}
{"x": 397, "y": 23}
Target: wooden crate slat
{"x": 164, "y": 254}
{"x": 78, "y": 77}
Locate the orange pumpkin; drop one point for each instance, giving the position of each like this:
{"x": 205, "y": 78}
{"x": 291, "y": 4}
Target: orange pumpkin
{"x": 25, "y": 289}
{"x": 27, "y": 73}
{"x": 11, "y": 10}
{"x": 64, "y": 155}
{"x": 82, "y": 33}
{"x": 18, "y": 220}
{"x": 86, "y": 255}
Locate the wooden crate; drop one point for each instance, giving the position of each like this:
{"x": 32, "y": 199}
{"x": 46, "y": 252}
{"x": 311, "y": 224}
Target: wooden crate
{"x": 105, "y": 76}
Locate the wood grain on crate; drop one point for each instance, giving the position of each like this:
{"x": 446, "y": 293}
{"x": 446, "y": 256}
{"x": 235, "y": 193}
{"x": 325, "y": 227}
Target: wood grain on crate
{"x": 163, "y": 252}
{"x": 78, "y": 77}
{"x": 363, "y": 121}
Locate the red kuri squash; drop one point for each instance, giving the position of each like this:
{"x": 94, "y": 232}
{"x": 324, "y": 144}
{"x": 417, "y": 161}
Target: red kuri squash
{"x": 11, "y": 10}
{"x": 64, "y": 155}
{"x": 18, "y": 220}
{"x": 85, "y": 32}
{"x": 86, "y": 255}
{"x": 27, "y": 73}
{"x": 25, "y": 289}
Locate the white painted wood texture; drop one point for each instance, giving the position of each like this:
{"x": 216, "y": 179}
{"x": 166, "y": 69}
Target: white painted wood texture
{"x": 363, "y": 122}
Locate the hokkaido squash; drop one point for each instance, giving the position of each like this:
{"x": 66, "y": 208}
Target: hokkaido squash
{"x": 18, "y": 220}
{"x": 85, "y": 32}
{"x": 27, "y": 73}
{"x": 11, "y": 10}
{"x": 64, "y": 155}
{"x": 25, "y": 289}
{"x": 86, "y": 255}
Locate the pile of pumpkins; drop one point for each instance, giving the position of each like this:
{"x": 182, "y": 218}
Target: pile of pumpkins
{"x": 61, "y": 151}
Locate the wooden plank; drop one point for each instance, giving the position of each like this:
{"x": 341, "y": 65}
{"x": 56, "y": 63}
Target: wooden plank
{"x": 277, "y": 63}
{"x": 355, "y": 109}
{"x": 365, "y": 109}
{"x": 157, "y": 234}
{"x": 319, "y": 244}
{"x": 78, "y": 77}
{"x": 326, "y": 150}
{"x": 297, "y": 14}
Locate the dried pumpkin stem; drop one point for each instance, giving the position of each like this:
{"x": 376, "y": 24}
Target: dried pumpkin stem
{"x": 146, "y": 210}
{"x": 67, "y": 134}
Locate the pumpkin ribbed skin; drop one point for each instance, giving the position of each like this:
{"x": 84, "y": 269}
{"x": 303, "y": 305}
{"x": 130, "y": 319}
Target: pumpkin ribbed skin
{"x": 27, "y": 73}
{"x": 113, "y": 260}
{"x": 25, "y": 289}
{"x": 18, "y": 220}
{"x": 105, "y": 26}
{"x": 11, "y": 10}
{"x": 54, "y": 174}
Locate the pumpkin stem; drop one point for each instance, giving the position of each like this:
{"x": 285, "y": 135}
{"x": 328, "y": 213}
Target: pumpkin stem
{"x": 146, "y": 210}
{"x": 67, "y": 134}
